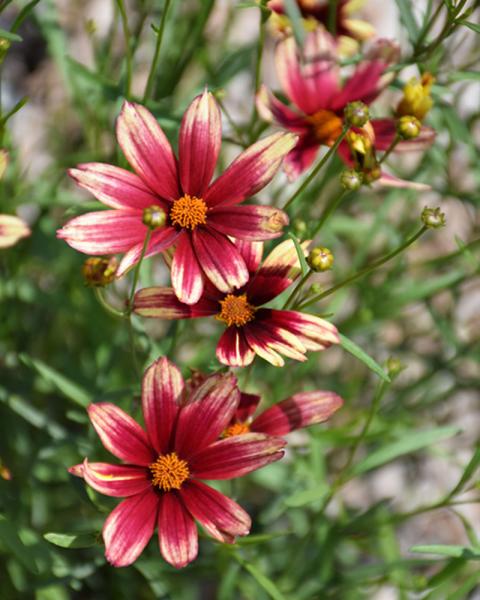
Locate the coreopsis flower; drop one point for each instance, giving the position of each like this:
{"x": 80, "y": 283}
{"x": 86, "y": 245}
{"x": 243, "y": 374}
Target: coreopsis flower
{"x": 416, "y": 100}
{"x": 12, "y": 229}
{"x": 298, "y": 411}
{"x": 310, "y": 78}
{"x": 200, "y": 217}
{"x": 251, "y": 328}
{"x": 316, "y": 12}
{"x": 160, "y": 476}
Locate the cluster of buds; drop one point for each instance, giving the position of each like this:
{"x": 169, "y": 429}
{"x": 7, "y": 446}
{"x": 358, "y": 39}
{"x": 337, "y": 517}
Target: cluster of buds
{"x": 414, "y": 106}
{"x": 363, "y": 153}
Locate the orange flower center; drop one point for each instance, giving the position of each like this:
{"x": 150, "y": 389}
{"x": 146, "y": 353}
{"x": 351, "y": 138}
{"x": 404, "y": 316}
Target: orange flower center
{"x": 326, "y": 125}
{"x": 236, "y": 310}
{"x": 236, "y": 429}
{"x": 188, "y": 212}
{"x": 169, "y": 472}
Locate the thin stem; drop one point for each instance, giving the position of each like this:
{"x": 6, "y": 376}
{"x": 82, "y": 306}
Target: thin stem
{"x": 332, "y": 17}
{"x": 390, "y": 149}
{"x": 316, "y": 169}
{"x": 156, "y": 54}
{"x": 233, "y": 125}
{"x": 128, "y": 47}
{"x": 327, "y": 211}
{"x": 258, "y": 69}
{"x": 136, "y": 273}
{"x": 428, "y": 26}
{"x": 367, "y": 269}
{"x": 110, "y": 309}
{"x": 297, "y": 289}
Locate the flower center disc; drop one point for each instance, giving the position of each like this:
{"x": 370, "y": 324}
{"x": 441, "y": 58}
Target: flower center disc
{"x": 236, "y": 310}
{"x": 169, "y": 472}
{"x": 188, "y": 212}
{"x": 236, "y": 429}
{"x": 326, "y": 125}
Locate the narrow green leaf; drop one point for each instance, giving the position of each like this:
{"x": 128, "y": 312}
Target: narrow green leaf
{"x": 356, "y": 351}
{"x": 410, "y": 442}
{"x": 473, "y": 26}
{"x": 264, "y": 582}
{"x": 67, "y": 387}
{"x": 469, "y": 471}
{"x": 8, "y": 35}
{"x": 300, "y": 254}
{"x": 23, "y": 14}
{"x": 72, "y": 540}
{"x": 447, "y": 550}
{"x": 295, "y": 17}
{"x": 10, "y": 538}
{"x": 307, "y": 496}
{"x": 408, "y": 19}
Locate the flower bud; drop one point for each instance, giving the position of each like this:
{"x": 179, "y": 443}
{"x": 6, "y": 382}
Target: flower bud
{"x": 394, "y": 367}
{"x": 351, "y": 180}
{"x": 299, "y": 226}
{"x": 356, "y": 114}
{"x": 154, "y": 216}
{"x": 99, "y": 272}
{"x": 433, "y": 218}
{"x": 408, "y": 127}
{"x": 416, "y": 99}
{"x": 320, "y": 259}
{"x": 372, "y": 174}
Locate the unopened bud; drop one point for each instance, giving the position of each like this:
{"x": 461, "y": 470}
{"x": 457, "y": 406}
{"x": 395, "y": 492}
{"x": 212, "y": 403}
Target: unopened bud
{"x": 315, "y": 288}
{"x": 154, "y": 217}
{"x": 99, "y": 272}
{"x": 351, "y": 180}
{"x": 394, "y": 367}
{"x": 320, "y": 259}
{"x": 408, "y": 127}
{"x": 356, "y": 114}
{"x": 299, "y": 226}
{"x": 90, "y": 27}
{"x": 372, "y": 174}
{"x": 433, "y": 218}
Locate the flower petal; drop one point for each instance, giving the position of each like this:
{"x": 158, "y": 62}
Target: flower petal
{"x": 207, "y": 414}
{"x": 262, "y": 346}
{"x": 250, "y": 222}
{"x": 248, "y": 405}
{"x": 120, "y": 434}
{"x": 232, "y": 348}
{"x": 220, "y": 260}
{"x": 162, "y": 303}
{"x": 177, "y": 532}
{"x": 301, "y": 157}
{"x": 236, "y": 456}
{"x": 220, "y": 516}
{"x": 129, "y": 527}
{"x": 12, "y": 229}
{"x": 269, "y": 108}
{"x": 113, "y": 186}
{"x": 251, "y": 171}
{"x": 312, "y": 331}
{"x": 187, "y": 277}
{"x": 161, "y": 240}
{"x": 118, "y": 481}
{"x": 385, "y": 131}
{"x": 104, "y": 232}
{"x": 162, "y": 387}
{"x": 364, "y": 85}
{"x": 389, "y": 180}
{"x": 148, "y": 150}
{"x": 199, "y": 144}
{"x": 273, "y": 337}
{"x": 301, "y": 410}
{"x": 251, "y": 252}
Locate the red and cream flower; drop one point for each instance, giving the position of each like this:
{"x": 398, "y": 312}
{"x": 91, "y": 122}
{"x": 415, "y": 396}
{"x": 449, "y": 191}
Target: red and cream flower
{"x": 251, "y": 328}
{"x": 12, "y": 229}
{"x": 160, "y": 477}
{"x": 200, "y": 215}
{"x": 298, "y": 411}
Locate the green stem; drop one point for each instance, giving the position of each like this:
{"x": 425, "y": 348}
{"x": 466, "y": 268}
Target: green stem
{"x": 128, "y": 47}
{"x": 364, "y": 271}
{"x": 316, "y": 169}
{"x": 136, "y": 273}
{"x": 428, "y": 26}
{"x": 390, "y": 149}
{"x": 258, "y": 70}
{"x": 297, "y": 289}
{"x": 327, "y": 211}
{"x": 332, "y": 17}
{"x": 110, "y": 309}
{"x": 156, "y": 55}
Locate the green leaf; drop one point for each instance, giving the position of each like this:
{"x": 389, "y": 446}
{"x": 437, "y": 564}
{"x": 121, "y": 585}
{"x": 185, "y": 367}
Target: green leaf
{"x": 469, "y": 471}
{"x": 307, "y": 496}
{"x": 473, "y": 26}
{"x": 11, "y": 539}
{"x": 295, "y": 17}
{"x": 72, "y": 540}
{"x": 300, "y": 254}
{"x": 408, "y": 19}
{"x": 67, "y": 387}
{"x": 264, "y": 582}
{"x": 447, "y": 550}
{"x": 8, "y": 35}
{"x": 410, "y": 442}
{"x": 356, "y": 351}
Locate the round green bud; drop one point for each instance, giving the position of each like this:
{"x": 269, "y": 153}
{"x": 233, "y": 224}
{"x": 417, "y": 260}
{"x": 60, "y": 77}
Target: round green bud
{"x": 394, "y": 367}
{"x": 299, "y": 226}
{"x": 372, "y": 175}
{"x": 433, "y": 218}
{"x": 99, "y": 272}
{"x": 320, "y": 259}
{"x": 351, "y": 180}
{"x": 408, "y": 127}
{"x": 356, "y": 114}
{"x": 154, "y": 216}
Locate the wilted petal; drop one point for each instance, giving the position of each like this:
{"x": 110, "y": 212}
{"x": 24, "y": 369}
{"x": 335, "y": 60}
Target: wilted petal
{"x": 162, "y": 303}
{"x": 119, "y": 481}
{"x": 187, "y": 277}
{"x": 12, "y": 229}
{"x": 129, "y": 528}
{"x": 301, "y": 410}
{"x": 113, "y": 186}
{"x": 199, "y": 144}
{"x": 236, "y": 456}
{"x": 160, "y": 240}
{"x": 220, "y": 516}
{"x": 148, "y": 150}
{"x": 207, "y": 414}
{"x": 177, "y": 532}
{"x": 220, "y": 260}
{"x": 161, "y": 388}
{"x": 232, "y": 348}
{"x": 250, "y": 223}
{"x": 120, "y": 434}
{"x": 104, "y": 232}
{"x": 251, "y": 171}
